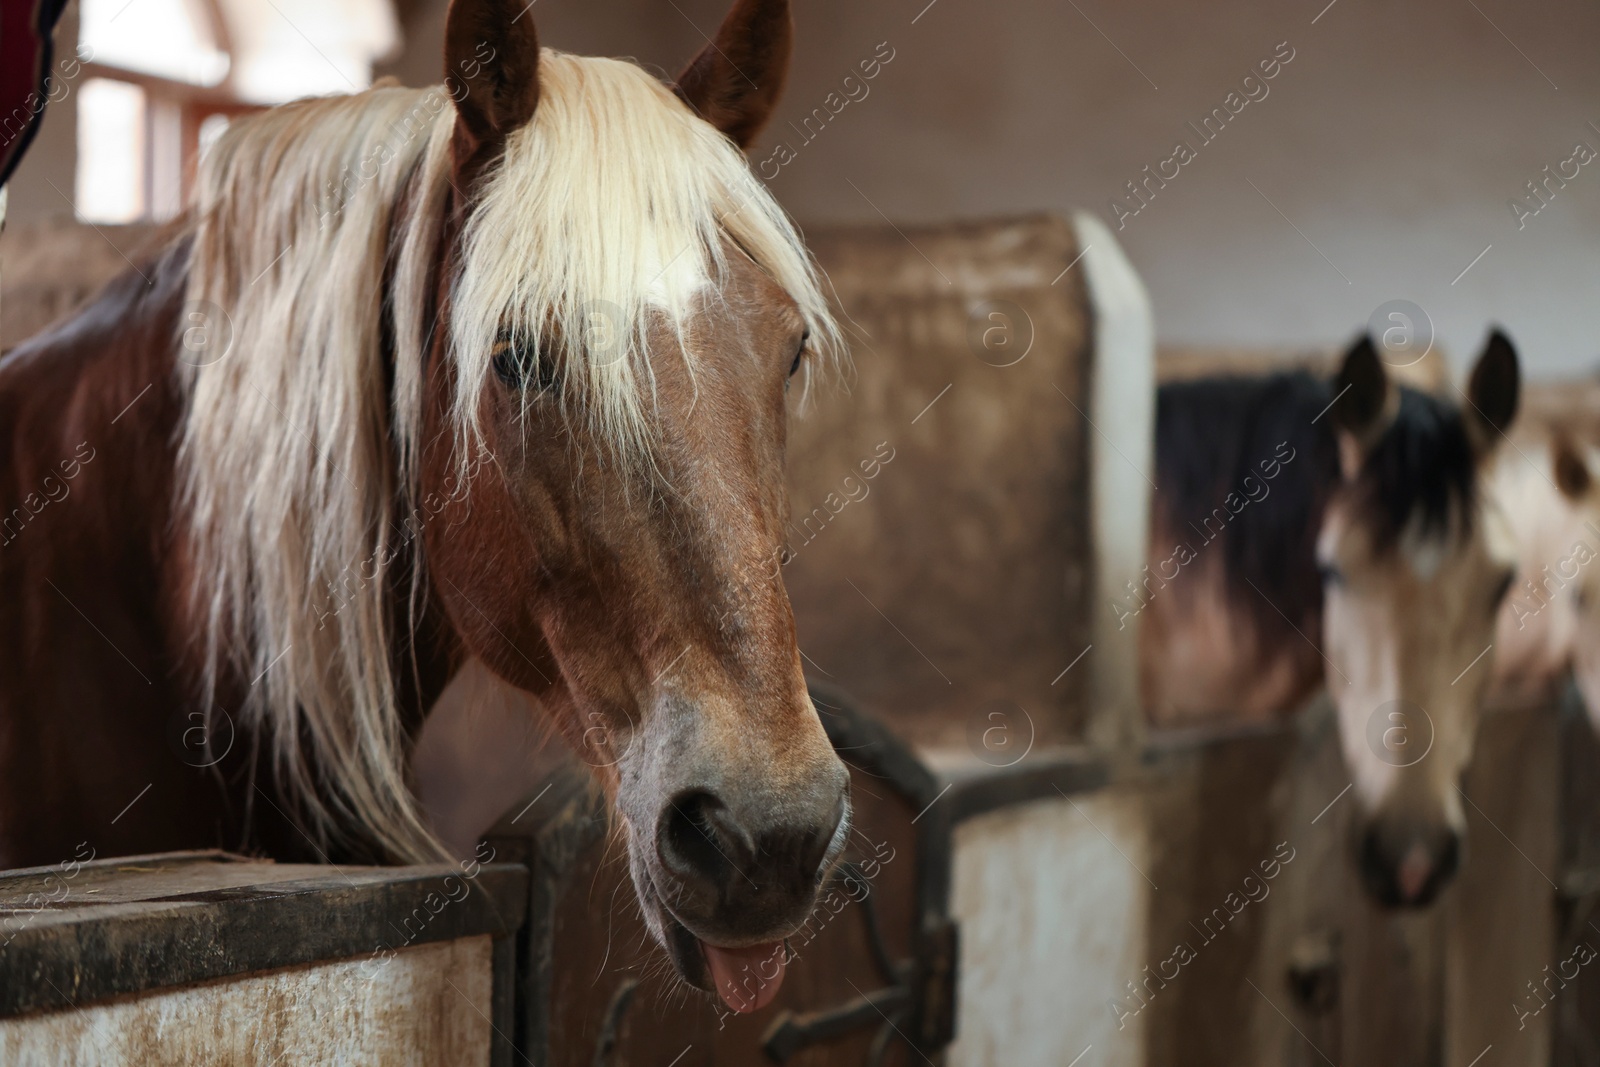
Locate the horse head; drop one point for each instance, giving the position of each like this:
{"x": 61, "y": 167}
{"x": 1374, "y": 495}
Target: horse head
{"x": 1415, "y": 563}
{"x": 515, "y": 390}
{"x": 623, "y": 310}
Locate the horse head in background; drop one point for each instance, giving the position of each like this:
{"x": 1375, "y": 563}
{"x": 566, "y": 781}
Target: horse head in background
{"x": 1415, "y": 563}
{"x": 1317, "y": 532}
{"x": 1549, "y": 494}
{"x": 495, "y": 371}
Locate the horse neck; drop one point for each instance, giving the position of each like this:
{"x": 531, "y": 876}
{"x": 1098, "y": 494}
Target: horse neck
{"x": 89, "y": 670}
{"x": 91, "y": 408}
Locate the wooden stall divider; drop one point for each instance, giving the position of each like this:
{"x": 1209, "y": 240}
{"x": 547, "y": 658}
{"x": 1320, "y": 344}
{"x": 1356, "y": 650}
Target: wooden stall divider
{"x": 204, "y": 957}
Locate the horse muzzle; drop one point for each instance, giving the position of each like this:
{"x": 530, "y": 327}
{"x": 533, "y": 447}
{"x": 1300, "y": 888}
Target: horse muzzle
{"x": 729, "y": 882}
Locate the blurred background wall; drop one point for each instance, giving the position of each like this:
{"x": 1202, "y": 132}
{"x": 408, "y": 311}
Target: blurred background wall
{"x": 1381, "y": 162}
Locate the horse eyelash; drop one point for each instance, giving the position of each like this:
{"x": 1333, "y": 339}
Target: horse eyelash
{"x": 799, "y": 352}
{"x": 509, "y": 366}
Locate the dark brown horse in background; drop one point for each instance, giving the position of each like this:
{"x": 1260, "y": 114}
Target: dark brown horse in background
{"x": 1310, "y": 532}
{"x": 494, "y": 371}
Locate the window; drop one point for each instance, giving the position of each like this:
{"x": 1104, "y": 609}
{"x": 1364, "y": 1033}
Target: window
{"x": 163, "y": 78}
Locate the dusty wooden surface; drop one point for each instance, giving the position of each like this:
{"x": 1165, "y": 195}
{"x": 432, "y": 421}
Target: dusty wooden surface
{"x": 49, "y": 269}
{"x": 80, "y": 932}
{"x": 1501, "y": 923}
{"x": 427, "y": 1006}
{"x": 1313, "y": 972}
{"x": 956, "y": 574}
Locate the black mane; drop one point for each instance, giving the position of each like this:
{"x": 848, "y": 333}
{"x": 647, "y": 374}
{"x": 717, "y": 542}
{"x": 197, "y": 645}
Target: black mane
{"x": 1422, "y": 469}
{"x": 1213, "y": 433}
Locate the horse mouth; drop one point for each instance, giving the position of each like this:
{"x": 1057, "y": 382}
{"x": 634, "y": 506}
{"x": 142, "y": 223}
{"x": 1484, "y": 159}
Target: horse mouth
{"x": 683, "y": 948}
{"x": 745, "y": 978}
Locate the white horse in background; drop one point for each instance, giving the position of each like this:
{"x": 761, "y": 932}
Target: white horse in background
{"x": 1547, "y": 487}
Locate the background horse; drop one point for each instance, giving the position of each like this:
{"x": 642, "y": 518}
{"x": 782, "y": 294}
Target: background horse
{"x": 1547, "y": 489}
{"x": 1309, "y": 532}
{"x": 494, "y": 371}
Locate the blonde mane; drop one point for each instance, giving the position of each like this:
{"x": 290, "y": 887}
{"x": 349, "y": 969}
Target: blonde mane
{"x": 299, "y": 461}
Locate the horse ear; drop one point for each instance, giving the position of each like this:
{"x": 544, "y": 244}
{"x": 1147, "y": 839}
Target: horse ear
{"x": 734, "y": 83}
{"x": 1492, "y": 392}
{"x": 1363, "y": 404}
{"x": 491, "y": 71}
{"x": 1572, "y": 473}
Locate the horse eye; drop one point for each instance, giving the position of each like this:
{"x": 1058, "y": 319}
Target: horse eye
{"x": 1330, "y": 574}
{"x": 799, "y": 352}
{"x": 1502, "y": 587}
{"x": 514, "y": 364}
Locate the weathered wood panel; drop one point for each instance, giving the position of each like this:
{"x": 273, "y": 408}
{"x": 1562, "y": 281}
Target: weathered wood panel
{"x": 1303, "y": 968}
{"x": 427, "y": 1006}
{"x": 50, "y": 269}
{"x": 956, "y": 455}
{"x": 1212, "y": 826}
{"x": 1500, "y": 919}
{"x": 204, "y": 957}
{"x": 76, "y": 933}
{"x": 1574, "y": 1013}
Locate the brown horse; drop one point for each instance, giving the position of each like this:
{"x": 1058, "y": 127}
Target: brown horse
{"x": 1312, "y": 532}
{"x": 494, "y": 371}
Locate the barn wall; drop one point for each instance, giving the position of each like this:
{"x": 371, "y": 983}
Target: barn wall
{"x": 1393, "y": 140}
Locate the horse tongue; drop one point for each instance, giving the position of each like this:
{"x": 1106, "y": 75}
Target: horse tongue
{"x": 747, "y": 978}
{"x": 1415, "y": 867}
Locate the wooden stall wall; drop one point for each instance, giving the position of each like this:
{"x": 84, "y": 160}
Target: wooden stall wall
{"x": 1570, "y": 1006}
{"x": 49, "y": 269}
{"x": 968, "y": 460}
{"x": 1302, "y": 967}
{"x": 183, "y": 959}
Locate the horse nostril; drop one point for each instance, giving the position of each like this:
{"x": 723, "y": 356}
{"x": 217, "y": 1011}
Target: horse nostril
{"x": 723, "y": 859}
{"x": 815, "y": 853}
{"x": 1374, "y": 869}
{"x": 1408, "y": 869}
{"x": 1449, "y": 858}
{"x": 698, "y": 837}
